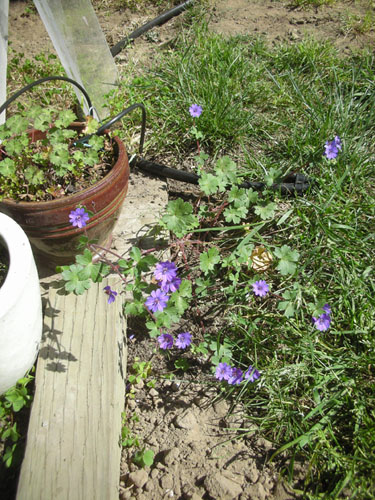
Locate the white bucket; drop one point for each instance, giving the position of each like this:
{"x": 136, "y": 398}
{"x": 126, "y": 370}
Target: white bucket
{"x": 21, "y": 319}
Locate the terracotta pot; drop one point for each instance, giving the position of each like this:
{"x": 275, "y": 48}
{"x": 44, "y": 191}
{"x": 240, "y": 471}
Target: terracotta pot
{"x": 46, "y": 223}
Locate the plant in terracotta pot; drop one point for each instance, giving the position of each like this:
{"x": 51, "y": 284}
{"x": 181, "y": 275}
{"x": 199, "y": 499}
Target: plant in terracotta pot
{"x": 48, "y": 170}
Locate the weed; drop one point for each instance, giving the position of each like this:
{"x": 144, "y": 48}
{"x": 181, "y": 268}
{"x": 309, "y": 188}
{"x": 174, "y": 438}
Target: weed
{"x": 11, "y": 403}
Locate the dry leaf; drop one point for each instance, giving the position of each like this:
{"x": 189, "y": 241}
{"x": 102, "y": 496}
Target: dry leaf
{"x": 261, "y": 259}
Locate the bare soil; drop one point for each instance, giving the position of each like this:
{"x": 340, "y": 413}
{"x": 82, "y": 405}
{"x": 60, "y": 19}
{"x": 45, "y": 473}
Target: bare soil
{"x": 191, "y": 429}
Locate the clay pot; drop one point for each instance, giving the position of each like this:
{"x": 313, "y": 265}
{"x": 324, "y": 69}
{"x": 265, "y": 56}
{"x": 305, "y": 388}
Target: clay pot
{"x": 46, "y": 223}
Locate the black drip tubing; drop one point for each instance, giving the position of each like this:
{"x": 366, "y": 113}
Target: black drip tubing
{"x": 48, "y": 79}
{"x": 292, "y": 184}
{"x": 158, "y": 21}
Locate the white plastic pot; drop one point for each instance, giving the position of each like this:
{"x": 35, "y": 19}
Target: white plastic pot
{"x": 21, "y": 319}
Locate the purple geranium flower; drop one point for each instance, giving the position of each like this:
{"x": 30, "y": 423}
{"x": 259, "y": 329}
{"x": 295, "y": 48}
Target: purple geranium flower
{"x": 165, "y": 272}
{"x": 260, "y": 288}
{"x": 236, "y": 376}
{"x": 332, "y": 148}
{"x": 165, "y": 341}
{"x": 223, "y": 371}
{"x": 195, "y": 110}
{"x": 157, "y": 301}
{"x": 326, "y": 308}
{"x": 252, "y": 374}
{"x": 183, "y": 340}
{"x": 171, "y": 286}
{"x": 323, "y": 322}
{"x": 78, "y": 217}
{"x": 111, "y": 294}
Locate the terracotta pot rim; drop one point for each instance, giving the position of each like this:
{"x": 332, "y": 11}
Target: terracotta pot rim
{"x": 78, "y": 196}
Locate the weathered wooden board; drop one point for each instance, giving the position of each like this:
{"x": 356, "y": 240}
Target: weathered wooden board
{"x": 73, "y": 442}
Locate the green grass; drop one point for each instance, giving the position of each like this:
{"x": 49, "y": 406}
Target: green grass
{"x": 275, "y": 108}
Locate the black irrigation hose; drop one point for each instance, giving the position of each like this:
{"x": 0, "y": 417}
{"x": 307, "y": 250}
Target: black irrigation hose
{"x": 158, "y": 21}
{"x": 296, "y": 184}
{"x": 4, "y": 106}
{"x": 101, "y": 130}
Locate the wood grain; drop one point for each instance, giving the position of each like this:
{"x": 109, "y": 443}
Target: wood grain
{"x": 73, "y": 442}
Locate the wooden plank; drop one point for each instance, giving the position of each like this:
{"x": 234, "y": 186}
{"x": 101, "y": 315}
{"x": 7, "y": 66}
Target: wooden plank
{"x": 73, "y": 442}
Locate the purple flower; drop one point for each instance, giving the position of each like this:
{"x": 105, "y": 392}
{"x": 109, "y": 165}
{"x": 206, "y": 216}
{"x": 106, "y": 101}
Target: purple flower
{"x": 260, "y": 288}
{"x": 195, "y": 110}
{"x": 332, "y": 148}
{"x": 252, "y": 374}
{"x": 157, "y": 301}
{"x": 171, "y": 286}
{"x": 111, "y": 294}
{"x": 183, "y": 340}
{"x": 223, "y": 371}
{"x": 165, "y": 341}
{"x": 326, "y": 308}
{"x": 236, "y": 376}
{"x": 165, "y": 272}
{"x": 78, "y": 217}
{"x": 323, "y": 322}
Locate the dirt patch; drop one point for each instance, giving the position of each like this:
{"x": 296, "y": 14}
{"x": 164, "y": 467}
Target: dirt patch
{"x": 281, "y": 21}
{"x": 204, "y": 445}
{"x": 192, "y": 431}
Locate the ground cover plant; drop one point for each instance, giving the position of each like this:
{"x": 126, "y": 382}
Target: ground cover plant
{"x": 261, "y": 269}
{"x": 280, "y": 291}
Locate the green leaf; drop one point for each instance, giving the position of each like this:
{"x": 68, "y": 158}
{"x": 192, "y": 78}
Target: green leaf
{"x": 76, "y": 282}
{"x": 243, "y": 253}
{"x": 34, "y": 175}
{"x": 179, "y": 302}
{"x": 179, "y": 218}
{"x": 17, "y": 145}
{"x": 153, "y": 329}
{"x": 60, "y": 157}
{"x": 252, "y": 196}
{"x": 287, "y": 307}
{"x": 17, "y": 124}
{"x": 208, "y": 183}
{"x": 287, "y": 257}
{"x": 96, "y": 142}
{"x": 61, "y": 137}
{"x": 65, "y": 118}
{"x": 267, "y": 211}
{"x": 227, "y": 169}
{"x": 135, "y": 254}
{"x": 209, "y": 259}
{"x": 238, "y": 197}
{"x": 201, "y": 286}
{"x": 134, "y": 308}
{"x": 91, "y": 270}
{"x": 144, "y": 458}
{"x": 7, "y": 167}
{"x": 272, "y": 176}
{"x": 185, "y": 288}
{"x": 42, "y": 118}
{"x": 167, "y": 317}
{"x": 235, "y": 214}
{"x": 92, "y": 126}
{"x": 196, "y": 133}
{"x": 181, "y": 364}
